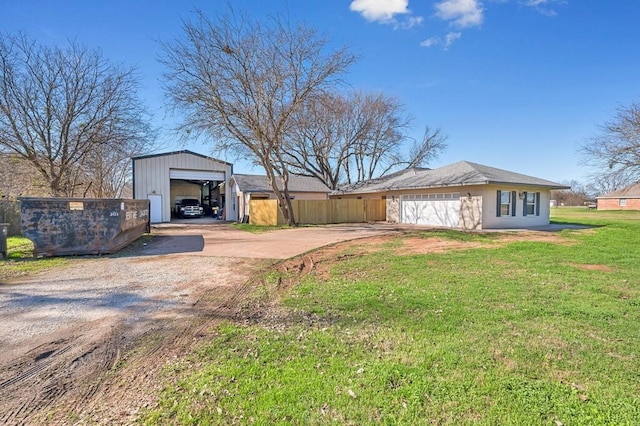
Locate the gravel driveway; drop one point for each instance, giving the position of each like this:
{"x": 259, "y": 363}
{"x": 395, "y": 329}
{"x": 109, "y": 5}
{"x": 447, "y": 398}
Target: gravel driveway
{"x": 63, "y": 331}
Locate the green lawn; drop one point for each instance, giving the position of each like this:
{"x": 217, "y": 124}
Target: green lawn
{"x": 523, "y": 333}
{"x": 258, "y": 229}
{"x": 20, "y": 259}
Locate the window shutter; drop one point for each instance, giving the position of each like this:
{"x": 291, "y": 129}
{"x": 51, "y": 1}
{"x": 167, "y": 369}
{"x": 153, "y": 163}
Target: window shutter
{"x": 537, "y": 204}
{"x": 524, "y": 205}
{"x": 513, "y": 203}
{"x": 498, "y": 206}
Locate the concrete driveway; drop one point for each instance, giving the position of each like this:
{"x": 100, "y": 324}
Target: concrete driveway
{"x": 223, "y": 240}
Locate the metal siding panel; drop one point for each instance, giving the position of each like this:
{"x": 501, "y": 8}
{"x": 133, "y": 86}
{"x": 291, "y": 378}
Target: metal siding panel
{"x": 195, "y": 174}
{"x": 153, "y": 174}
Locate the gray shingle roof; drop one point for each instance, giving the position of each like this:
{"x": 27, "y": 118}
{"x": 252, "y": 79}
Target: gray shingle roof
{"x": 632, "y": 191}
{"x": 462, "y": 173}
{"x": 260, "y": 183}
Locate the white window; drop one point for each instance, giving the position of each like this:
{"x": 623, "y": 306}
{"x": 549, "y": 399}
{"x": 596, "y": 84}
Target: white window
{"x": 623, "y": 202}
{"x": 531, "y": 201}
{"x": 506, "y": 203}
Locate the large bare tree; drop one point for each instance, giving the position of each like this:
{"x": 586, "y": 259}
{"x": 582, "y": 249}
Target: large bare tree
{"x": 615, "y": 151}
{"x": 60, "y": 106}
{"x": 241, "y": 80}
{"x": 347, "y": 138}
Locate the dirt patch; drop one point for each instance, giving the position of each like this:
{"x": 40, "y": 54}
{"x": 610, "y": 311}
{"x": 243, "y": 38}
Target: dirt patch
{"x": 434, "y": 245}
{"x": 422, "y": 245}
{"x": 602, "y": 268}
{"x": 537, "y": 236}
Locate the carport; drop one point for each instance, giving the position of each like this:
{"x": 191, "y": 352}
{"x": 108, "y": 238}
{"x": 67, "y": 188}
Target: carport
{"x": 165, "y": 179}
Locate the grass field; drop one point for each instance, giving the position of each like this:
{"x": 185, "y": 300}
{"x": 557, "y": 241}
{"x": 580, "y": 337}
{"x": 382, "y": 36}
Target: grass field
{"x": 20, "y": 259}
{"x": 521, "y": 333}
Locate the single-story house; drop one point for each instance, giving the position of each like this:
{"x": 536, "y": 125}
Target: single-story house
{"x": 166, "y": 179}
{"x": 257, "y": 187}
{"x": 623, "y": 199}
{"x": 460, "y": 195}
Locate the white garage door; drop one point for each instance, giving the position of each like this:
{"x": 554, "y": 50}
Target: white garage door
{"x": 432, "y": 209}
{"x": 196, "y": 175}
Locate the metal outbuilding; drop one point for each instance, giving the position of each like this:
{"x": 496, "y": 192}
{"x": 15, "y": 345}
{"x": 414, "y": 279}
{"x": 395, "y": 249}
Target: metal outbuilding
{"x": 164, "y": 179}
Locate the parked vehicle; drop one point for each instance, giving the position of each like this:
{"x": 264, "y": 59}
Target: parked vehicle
{"x": 188, "y": 207}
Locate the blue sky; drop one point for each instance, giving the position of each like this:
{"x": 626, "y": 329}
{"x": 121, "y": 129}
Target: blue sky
{"x": 515, "y": 84}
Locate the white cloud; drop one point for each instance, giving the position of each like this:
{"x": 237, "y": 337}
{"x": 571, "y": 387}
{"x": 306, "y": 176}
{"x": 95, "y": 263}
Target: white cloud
{"x": 380, "y": 10}
{"x": 410, "y": 22}
{"x": 386, "y": 12}
{"x": 461, "y": 13}
{"x": 543, "y": 6}
{"x": 431, "y": 41}
{"x": 449, "y": 39}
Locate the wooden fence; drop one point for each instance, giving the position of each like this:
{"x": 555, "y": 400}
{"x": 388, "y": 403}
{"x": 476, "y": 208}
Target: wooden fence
{"x": 319, "y": 212}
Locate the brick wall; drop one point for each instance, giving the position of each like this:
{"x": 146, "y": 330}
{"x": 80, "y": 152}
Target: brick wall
{"x": 614, "y": 204}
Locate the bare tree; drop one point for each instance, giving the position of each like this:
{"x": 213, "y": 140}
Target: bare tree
{"x": 615, "y": 151}
{"x": 60, "y": 106}
{"x": 19, "y": 178}
{"x": 355, "y": 137}
{"x": 577, "y": 195}
{"x": 240, "y": 81}
{"x": 429, "y": 148}
{"x": 605, "y": 181}
{"x": 105, "y": 172}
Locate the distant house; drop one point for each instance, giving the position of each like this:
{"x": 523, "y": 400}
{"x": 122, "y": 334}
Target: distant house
{"x": 460, "y": 195}
{"x": 257, "y": 187}
{"x": 623, "y": 199}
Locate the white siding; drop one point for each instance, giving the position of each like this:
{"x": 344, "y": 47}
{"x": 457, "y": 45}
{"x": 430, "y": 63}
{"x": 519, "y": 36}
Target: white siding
{"x": 490, "y": 220}
{"x": 196, "y": 175}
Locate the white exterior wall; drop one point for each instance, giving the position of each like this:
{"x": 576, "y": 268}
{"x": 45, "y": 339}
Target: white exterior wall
{"x": 151, "y": 176}
{"x": 478, "y": 206}
{"x": 393, "y": 208}
{"x": 491, "y": 221}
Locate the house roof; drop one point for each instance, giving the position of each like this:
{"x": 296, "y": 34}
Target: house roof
{"x": 462, "y": 173}
{"x": 260, "y": 183}
{"x": 632, "y": 191}
{"x": 184, "y": 151}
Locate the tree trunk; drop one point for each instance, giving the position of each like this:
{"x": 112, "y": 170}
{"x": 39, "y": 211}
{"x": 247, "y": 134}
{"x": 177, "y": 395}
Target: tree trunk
{"x": 284, "y": 201}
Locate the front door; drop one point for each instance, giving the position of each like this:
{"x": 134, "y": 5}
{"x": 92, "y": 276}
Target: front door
{"x": 155, "y": 208}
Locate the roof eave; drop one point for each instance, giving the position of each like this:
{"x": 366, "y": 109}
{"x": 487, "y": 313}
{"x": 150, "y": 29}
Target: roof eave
{"x": 529, "y": 185}
{"x": 184, "y": 151}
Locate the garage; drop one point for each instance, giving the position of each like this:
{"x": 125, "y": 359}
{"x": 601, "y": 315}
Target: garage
{"x": 172, "y": 179}
{"x": 442, "y": 209}
{"x": 205, "y": 186}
